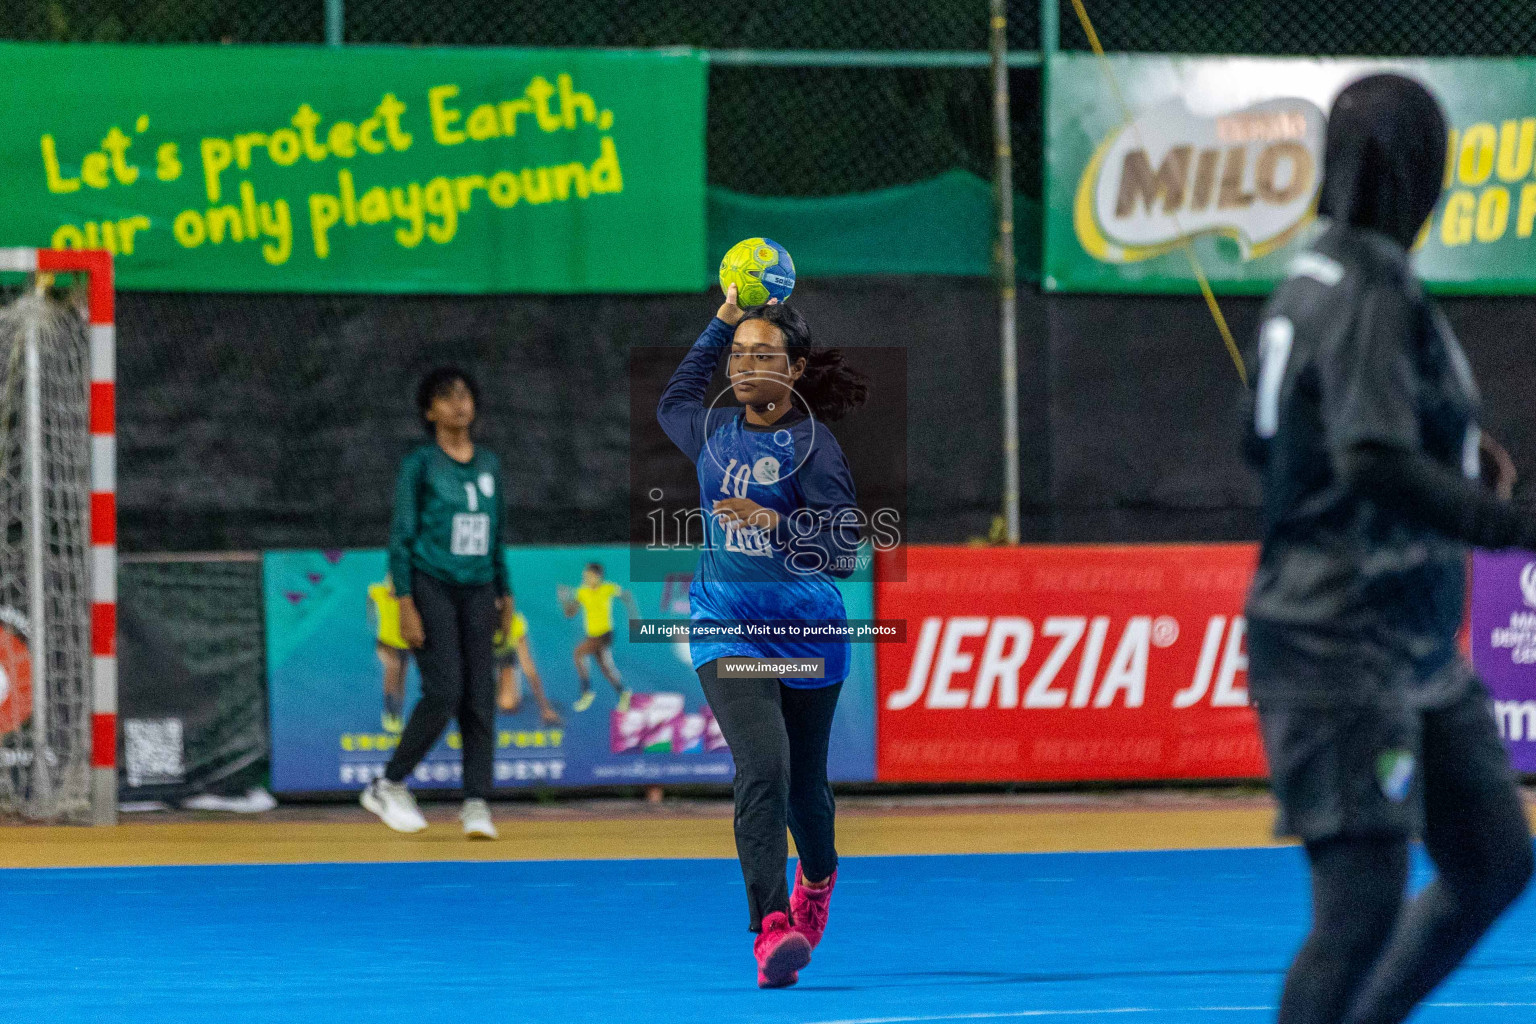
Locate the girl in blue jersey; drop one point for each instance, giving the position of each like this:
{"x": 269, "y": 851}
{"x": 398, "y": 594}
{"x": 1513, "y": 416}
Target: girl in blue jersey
{"x": 781, "y": 523}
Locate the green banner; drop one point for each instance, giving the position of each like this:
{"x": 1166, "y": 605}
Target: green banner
{"x": 360, "y": 169}
{"x": 1225, "y": 154}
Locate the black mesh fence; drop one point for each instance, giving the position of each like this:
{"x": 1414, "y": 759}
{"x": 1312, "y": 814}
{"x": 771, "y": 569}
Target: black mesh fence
{"x": 164, "y": 21}
{"x": 824, "y": 131}
{"x": 879, "y": 25}
{"x": 773, "y": 128}
{"x": 807, "y": 98}
{"x": 1384, "y": 27}
{"x": 780, "y": 127}
{"x": 1395, "y": 28}
{"x": 791, "y": 25}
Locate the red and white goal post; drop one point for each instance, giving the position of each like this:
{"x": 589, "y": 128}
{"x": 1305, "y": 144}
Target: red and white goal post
{"x": 100, "y": 561}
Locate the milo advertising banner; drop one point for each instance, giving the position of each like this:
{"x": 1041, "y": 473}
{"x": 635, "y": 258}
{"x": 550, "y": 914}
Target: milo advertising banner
{"x": 1225, "y": 155}
{"x": 1504, "y": 645}
{"x": 360, "y": 169}
{"x": 334, "y": 655}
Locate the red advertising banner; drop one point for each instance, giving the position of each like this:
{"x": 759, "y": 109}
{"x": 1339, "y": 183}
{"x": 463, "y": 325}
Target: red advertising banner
{"x": 1069, "y": 663}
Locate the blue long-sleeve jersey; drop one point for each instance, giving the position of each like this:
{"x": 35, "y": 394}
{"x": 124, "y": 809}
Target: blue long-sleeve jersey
{"x": 794, "y": 467}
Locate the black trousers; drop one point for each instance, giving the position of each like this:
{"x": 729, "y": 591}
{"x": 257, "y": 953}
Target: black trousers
{"x": 1371, "y": 956}
{"x": 458, "y": 680}
{"x": 778, "y": 737}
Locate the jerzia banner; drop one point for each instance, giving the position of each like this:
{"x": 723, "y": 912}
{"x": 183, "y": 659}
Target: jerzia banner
{"x": 1225, "y": 153}
{"x": 1033, "y": 664}
{"x": 1069, "y": 663}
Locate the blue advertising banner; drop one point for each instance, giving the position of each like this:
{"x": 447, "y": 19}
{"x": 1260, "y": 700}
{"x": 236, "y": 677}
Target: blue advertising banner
{"x": 330, "y": 645}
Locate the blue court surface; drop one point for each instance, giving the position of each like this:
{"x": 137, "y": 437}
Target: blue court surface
{"x": 1188, "y": 936}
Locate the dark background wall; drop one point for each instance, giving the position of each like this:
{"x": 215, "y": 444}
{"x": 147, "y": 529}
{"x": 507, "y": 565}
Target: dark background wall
{"x": 277, "y": 421}
{"x": 1145, "y": 411}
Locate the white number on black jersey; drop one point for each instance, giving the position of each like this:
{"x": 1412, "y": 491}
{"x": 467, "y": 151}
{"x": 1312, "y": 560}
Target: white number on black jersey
{"x": 1274, "y": 353}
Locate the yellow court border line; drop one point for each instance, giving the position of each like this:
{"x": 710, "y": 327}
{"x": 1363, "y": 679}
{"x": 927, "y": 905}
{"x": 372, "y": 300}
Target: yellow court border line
{"x": 628, "y": 838}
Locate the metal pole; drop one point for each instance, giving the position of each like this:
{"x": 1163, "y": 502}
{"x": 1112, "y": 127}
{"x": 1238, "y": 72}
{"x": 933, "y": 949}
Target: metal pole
{"x": 1050, "y": 43}
{"x": 37, "y": 639}
{"x": 1006, "y": 272}
{"x": 335, "y": 22}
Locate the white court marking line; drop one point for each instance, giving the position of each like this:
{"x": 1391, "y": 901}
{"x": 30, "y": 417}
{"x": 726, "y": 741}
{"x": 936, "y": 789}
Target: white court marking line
{"x": 1017, "y": 1014}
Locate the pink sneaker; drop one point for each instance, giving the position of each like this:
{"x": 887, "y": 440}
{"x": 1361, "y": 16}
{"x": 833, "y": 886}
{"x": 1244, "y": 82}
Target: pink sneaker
{"x": 781, "y": 952}
{"x": 809, "y": 907}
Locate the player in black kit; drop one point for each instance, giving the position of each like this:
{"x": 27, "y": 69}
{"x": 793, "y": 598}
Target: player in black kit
{"x": 1364, "y": 430}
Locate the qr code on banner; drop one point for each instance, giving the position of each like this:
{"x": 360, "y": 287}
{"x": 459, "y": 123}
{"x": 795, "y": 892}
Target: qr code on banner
{"x": 153, "y": 752}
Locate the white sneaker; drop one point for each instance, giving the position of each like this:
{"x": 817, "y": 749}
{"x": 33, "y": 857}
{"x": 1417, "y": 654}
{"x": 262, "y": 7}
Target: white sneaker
{"x": 393, "y": 802}
{"x": 476, "y": 817}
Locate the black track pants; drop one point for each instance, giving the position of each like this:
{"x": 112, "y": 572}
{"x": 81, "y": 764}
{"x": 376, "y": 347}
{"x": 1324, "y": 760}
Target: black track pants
{"x": 458, "y": 680}
{"x": 778, "y": 737}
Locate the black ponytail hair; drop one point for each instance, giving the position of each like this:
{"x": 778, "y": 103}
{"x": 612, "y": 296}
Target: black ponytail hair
{"x": 829, "y": 385}
{"x": 439, "y": 381}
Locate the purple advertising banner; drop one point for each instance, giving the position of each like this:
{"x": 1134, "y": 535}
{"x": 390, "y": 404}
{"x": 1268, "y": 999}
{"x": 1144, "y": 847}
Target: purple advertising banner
{"x": 1504, "y": 645}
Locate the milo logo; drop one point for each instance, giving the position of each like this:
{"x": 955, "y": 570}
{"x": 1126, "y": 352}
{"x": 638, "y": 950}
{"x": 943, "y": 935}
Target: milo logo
{"x": 1250, "y": 175}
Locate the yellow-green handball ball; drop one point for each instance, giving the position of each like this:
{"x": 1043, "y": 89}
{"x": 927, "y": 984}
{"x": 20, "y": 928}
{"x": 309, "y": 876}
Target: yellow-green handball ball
{"x": 761, "y": 269}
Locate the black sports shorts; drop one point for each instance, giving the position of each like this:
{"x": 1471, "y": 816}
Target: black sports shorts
{"x": 1359, "y": 769}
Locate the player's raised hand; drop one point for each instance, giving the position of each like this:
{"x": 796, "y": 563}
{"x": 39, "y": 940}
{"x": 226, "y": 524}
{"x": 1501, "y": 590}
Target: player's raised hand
{"x": 730, "y": 311}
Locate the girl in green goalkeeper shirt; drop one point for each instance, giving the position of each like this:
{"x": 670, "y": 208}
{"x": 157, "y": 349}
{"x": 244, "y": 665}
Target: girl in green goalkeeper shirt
{"x": 445, "y": 561}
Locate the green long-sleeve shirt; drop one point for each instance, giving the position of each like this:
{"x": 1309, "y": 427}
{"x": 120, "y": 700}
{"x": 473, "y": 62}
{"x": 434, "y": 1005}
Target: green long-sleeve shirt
{"x": 447, "y": 520}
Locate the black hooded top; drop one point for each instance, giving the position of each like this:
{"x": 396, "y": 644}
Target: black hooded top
{"x": 1363, "y": 427}
{"x": 1385, "y": 157}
